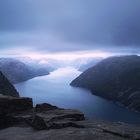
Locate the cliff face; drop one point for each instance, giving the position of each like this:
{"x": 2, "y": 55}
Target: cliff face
{"x": 6, "y": 88}
{"x": 115, "y": 78}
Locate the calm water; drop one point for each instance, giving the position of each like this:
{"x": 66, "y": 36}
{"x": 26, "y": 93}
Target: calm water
{"x": 55, "y": 89}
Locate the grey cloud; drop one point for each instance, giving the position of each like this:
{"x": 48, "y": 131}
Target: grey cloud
{"x": 93, "y": 24}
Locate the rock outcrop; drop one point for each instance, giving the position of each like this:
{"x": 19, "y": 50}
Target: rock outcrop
{"x": 22, "y": 121}
{"x": 20, "y": 111}
{"x": 6, "y": 88}
{"x": 61, "y": 124}
{"x": 115, "y": 78}
{"x": 9, "y": 106}
{"x": 44, "y": 107}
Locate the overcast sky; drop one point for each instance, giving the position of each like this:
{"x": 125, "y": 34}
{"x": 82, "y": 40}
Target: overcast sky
{"x": 69, "y": 25}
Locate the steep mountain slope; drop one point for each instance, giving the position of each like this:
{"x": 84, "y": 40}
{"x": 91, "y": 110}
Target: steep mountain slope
{"x": 6, "y": 88}
{"x": 17, "y": 71}
{"x": 115, "y": 78}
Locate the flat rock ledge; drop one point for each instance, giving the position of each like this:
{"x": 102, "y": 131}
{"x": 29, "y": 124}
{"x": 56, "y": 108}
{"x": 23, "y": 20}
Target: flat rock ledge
{"x": 20, "y": 112}
{"x": 20, "y": 120}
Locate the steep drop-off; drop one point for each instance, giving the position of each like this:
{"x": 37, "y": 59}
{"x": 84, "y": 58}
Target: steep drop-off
{"x": 114, "y": 78}
{"x": 6, "y": 88}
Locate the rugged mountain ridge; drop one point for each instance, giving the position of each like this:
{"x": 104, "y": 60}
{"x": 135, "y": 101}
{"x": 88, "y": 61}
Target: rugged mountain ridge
{"x": 17, "y": 71}
{"x": 115, "y": 78}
